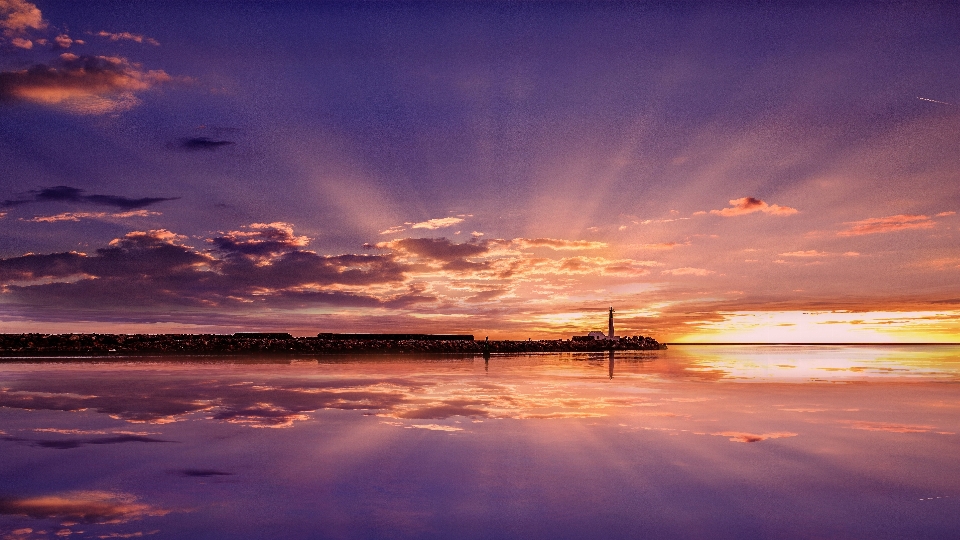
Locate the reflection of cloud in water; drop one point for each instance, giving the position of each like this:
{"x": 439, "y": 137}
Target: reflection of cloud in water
{"x": 81, "y": 507}
{"x": 737, "y": 436}
{"x": 891, "y": 427}
{"x": 436, "y": 427}
{"x": 67, "y": 444}
{"x": 126, "y": 396}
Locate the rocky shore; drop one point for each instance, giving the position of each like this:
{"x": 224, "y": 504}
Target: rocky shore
{"x": 91, "y": 345}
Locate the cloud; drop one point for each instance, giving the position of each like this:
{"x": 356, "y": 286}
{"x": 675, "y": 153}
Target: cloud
{"x": 202, "y": 473}
{"x": 394, "y": 230}
{"x": 436, "y": 427}
{"x": 117, "y": 36}
{"x": 663, "y": 245}
{"x": 891, "y": 427}
{"x": 599, "y": 265}
{"x": 81, "y": 84}
{"x": 72, "y": 194}
{"x": 945, "y": 214}
{"x": 77, "y": 216}
{"x": 437, "y": 223}
{"x": 84, "y": 507}
{"x": 16, "y": 18}
{"x": 750, "y": 205}
{"x": 203, "y": 143}
{"x": 737, "y": 436}
{"x": 440, "y": 411}
{"x": 81, "y": 506}
{"x": 263, "y": 239}
{"x": 439, "y": 249}
{"x": 557, "y": 244}
{"x": 807, "y": 253}
{"x": 68, "y": 444}
{"x": 262, "y": 265}
{"x": 899, "y": 222}
{"x": 169, "y": 400}
{"x": 688, "y": 271}
{"x": 64, "y": 41}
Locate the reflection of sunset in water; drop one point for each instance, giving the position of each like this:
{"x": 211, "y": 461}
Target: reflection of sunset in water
{"x": 663, "y": 443}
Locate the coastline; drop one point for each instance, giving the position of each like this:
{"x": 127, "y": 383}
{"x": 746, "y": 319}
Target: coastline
{"x": 100, "y": 345}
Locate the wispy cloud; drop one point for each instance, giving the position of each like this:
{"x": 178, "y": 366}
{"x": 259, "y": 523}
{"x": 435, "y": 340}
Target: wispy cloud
{"x": 437, "y": 223}
{"x": 81, "y": 84}
{"x": 891, "y": 427}
{"x": 557, "y": 244}
{"x": 738, "y": 436}
{"x": 807, "y": 253}
{"x": 750, "y": 205}
{"x": 72, "y": 194}
{"x": 77, "y": 216}
{"x": 899, "y": 222}
{"x": 127, "y": 36}
{"x": 688, "y": 271}
{"x": 430, "y": 224}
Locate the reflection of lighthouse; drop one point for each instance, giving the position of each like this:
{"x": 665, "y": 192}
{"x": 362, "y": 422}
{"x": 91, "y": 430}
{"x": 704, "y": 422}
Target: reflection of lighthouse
{"x": 610, "y": 329}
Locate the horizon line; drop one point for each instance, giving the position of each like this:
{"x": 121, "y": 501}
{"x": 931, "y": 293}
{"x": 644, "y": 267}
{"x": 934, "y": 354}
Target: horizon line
{"x": 816, "y": 343}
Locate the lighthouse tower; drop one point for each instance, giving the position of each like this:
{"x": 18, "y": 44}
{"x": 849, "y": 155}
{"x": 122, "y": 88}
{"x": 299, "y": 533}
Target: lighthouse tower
{"x": 610, "y": 329}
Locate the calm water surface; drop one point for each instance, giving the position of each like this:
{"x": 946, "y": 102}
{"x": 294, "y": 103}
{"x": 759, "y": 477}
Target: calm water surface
{"x": 693, "y": 442}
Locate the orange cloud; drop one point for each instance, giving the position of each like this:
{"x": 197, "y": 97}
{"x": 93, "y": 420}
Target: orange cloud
{"x": 557, "y": 244}
{"x": 737, "y": 436}
{"x": 899, "y": 222}
{"x": 750, "y": 205}
{"x": 687, "y": 271}
{"x": 77, "y": 216}
{"x": 437, "y": 223}
{"x": 81, "y": 84}
{"x": 808, "y": 253}
{"x": 18, "y": 16}
{"x": 117, "y": 36}
{"x": 81, "y": 506}
{"x": 891, "y": 427}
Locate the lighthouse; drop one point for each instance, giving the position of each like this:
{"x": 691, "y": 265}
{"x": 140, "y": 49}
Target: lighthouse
{"x": 610, "y": 329}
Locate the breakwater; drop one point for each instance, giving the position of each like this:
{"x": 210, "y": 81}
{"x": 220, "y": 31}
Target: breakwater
{"x": 52, "y": 345}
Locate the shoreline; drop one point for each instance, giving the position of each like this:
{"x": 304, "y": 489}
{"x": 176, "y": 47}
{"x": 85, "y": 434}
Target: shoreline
{"x": 217, "y": 345}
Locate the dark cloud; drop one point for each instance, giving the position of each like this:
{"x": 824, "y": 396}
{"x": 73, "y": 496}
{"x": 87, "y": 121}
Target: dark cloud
{"x": 265, "y": 265}
{"x": 67, "y": 444}
{"x": 72, "y": 194}
{"x": 201, "y": 473}
{"x": 80, "y": 84}
{"x": 203, "y": 143}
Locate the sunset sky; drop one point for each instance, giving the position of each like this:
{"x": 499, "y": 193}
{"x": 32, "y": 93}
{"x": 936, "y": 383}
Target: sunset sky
{"x": 740, "y": 174}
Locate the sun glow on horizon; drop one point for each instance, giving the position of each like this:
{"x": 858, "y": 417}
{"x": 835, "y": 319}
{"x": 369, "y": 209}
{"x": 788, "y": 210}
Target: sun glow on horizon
{"x": 829, "y": 327}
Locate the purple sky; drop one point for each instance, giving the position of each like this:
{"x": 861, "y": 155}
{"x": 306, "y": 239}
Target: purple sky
{"x": 503, "y": 169}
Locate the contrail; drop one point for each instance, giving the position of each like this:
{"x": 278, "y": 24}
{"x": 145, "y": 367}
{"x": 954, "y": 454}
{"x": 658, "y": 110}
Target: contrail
{"x": 935, "y": 101}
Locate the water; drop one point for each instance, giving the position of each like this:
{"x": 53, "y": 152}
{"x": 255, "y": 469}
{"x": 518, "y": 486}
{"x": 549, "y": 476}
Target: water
{"x": 692, "y": 442}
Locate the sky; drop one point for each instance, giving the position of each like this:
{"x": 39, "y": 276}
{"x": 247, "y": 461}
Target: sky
{"x": 716, "y": 172}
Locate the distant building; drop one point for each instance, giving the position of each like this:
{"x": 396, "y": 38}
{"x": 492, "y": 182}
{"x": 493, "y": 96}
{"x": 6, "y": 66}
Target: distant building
{"x": 396, "y": 337}
{"x": 599, "y": 336}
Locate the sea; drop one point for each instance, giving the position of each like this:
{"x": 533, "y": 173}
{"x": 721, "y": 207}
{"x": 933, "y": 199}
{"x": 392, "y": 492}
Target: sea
{"x": 697, "y": 441}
